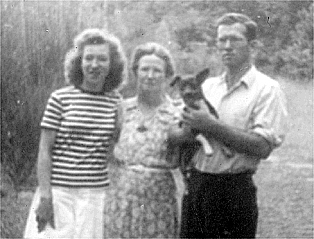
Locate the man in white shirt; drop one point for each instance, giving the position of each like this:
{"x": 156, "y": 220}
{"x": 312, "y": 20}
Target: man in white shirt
{"x": 222, "y": 199}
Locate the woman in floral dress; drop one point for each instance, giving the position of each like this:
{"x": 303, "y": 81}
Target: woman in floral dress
{"x": 143, "y": 191}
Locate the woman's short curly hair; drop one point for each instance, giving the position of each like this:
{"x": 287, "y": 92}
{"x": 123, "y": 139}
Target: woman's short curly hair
{"x": 232, "y": 18}
{"x": 152, "y": 48}
{"x": 73, "y": 59}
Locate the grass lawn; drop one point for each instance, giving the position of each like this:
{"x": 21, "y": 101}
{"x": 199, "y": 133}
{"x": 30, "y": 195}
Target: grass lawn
{"x": 284, "y": 181}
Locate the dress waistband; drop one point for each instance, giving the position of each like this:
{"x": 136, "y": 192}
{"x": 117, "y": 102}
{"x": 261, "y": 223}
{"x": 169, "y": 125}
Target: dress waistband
{"x": 141, "y": 167}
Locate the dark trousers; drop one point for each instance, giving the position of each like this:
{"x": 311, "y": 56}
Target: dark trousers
{"x": 219, "y": 206}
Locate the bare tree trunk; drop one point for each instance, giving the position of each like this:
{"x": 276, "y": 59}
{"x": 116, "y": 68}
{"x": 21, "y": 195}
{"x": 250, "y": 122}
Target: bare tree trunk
{"x": 23, "y": 33}
{"x": 25, "y": 52}
{"x": 37, "y": 43}
{"x": 80, "y": 16}
{"x": 61, "y": 27}
{"x": 105, "y": 18}
{"x": 120, "y": 26}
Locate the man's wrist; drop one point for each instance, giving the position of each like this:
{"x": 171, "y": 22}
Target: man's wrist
{"x": 211, "y": 128}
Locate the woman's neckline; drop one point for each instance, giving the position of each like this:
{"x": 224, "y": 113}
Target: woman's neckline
{"x": 145, "y": 105}
{"x": 90, "y": 92}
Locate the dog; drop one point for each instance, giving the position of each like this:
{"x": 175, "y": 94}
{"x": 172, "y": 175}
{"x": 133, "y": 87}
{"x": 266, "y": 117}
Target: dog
{"x": 191, "y": 92}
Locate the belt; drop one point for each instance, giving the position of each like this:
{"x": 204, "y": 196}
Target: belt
{"x": 141, "y": 167}
{"x": 246, "y": 173}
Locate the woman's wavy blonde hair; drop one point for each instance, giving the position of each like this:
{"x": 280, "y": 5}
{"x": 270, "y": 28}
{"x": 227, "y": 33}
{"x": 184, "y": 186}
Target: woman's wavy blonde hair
{"x": 73, "y": 60}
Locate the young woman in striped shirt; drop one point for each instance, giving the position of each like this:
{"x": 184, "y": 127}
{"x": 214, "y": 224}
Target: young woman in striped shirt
{"x": 77, "y": 132}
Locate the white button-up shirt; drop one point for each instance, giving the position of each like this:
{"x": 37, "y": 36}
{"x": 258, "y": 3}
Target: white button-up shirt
{"x": 255, "y": 104}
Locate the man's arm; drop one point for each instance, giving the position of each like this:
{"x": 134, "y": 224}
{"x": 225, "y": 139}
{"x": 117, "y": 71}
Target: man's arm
{"x": 242, "y": 141}
{"x": 249, "y": 143}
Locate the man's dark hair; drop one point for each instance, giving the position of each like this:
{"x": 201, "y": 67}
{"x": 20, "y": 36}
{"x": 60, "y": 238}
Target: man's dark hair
{"x": 232, "y": 18}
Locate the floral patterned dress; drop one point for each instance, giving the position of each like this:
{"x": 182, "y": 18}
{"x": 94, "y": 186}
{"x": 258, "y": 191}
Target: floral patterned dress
{"x": 142, "y": 201}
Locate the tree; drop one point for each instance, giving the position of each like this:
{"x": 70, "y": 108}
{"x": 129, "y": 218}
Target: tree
{"x": 35, "y": 36}
{"x": 299, "y": 55}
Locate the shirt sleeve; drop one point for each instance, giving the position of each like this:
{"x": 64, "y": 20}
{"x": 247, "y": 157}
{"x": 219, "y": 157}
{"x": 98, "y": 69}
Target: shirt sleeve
{"x": 270, "y": 115}
{"x": 52, "y": 114}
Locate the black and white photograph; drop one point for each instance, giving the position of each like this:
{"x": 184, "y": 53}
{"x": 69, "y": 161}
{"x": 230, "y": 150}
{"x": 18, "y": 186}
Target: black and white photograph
{"x": 156, "y": 119}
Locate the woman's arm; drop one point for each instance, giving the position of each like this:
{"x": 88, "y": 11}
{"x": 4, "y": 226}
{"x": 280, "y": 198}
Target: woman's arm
{"x": 44, "y": 212}
{"x": 47, "y": 140}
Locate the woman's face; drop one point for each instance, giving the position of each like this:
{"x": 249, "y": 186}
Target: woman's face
{"x": 95, "y": 66}
{"x": 151, "y": 73}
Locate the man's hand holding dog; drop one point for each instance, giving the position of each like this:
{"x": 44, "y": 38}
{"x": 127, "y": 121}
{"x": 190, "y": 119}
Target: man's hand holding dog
{"x": 179, "y": 134}
{"x": 200, "y": 119}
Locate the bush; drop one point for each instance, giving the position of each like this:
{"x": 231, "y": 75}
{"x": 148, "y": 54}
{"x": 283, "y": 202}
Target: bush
{"x": 31, "y": 70}
{"x": 299, "y": 55}
{"x": 23, "y": 104}
{"x": 14, "y": 212}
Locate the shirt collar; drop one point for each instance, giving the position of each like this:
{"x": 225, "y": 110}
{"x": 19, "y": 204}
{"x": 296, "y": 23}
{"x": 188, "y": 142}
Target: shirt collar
{"x": 247, "y": 79}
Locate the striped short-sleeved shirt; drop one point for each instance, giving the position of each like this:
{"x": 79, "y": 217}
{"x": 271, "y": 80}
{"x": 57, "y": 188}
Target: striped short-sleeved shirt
{"x": 85, "y": 124}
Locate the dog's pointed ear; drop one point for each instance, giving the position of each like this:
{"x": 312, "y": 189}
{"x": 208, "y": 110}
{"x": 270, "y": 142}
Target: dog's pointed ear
{"x": 175, "y": 80}
{"x": 202, "y": 75}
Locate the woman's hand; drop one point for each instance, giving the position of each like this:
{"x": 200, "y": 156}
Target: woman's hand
{"x": 44, "y": 214}
{"x": 179, "y": 134}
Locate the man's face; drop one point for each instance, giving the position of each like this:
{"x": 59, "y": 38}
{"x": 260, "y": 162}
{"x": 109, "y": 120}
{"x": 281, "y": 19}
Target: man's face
{"x": 233, "y": 45}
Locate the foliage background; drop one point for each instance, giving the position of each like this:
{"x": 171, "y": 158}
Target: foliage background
{"x": 35, "y": 36}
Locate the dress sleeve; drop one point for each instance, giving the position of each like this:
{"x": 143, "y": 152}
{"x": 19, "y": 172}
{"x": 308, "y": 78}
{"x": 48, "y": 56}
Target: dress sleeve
{"x": 52, "y": 114}
{"x": 177, "y": 109}
{"x": 119, "y": 121}
{"x": 270, "y": 115}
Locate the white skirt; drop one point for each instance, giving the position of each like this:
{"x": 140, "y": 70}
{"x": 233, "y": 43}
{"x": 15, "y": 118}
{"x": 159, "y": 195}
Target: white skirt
{"x": 78, "y": 213}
